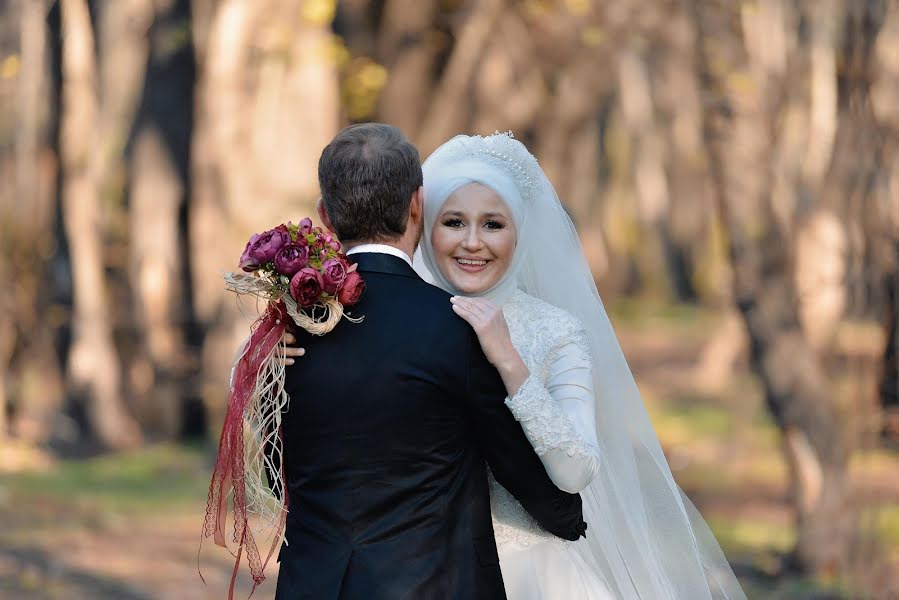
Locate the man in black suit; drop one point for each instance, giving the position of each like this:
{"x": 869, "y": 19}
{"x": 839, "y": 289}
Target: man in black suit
{"x": 393, "y": 421}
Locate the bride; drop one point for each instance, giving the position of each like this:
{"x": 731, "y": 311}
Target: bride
{"x": 496, "y": 236}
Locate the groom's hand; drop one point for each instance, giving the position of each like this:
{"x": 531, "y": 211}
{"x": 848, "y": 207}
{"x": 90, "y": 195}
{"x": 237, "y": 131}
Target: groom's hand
{"x": 290, "y": 352}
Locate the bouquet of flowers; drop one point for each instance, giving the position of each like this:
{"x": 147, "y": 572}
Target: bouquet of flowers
{"x": 300, "y": 272}
{"x": 302, "y": 266}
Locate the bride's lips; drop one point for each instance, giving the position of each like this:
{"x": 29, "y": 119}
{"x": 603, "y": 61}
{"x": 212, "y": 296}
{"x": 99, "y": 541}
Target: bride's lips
{"x": 471, "y": 264}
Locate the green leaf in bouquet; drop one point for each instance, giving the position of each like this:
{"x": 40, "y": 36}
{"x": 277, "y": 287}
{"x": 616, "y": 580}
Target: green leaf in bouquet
{"x": 294, "y": 231}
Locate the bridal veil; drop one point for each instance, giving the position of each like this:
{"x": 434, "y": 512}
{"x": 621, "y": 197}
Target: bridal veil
{"x": 645, "y": 536}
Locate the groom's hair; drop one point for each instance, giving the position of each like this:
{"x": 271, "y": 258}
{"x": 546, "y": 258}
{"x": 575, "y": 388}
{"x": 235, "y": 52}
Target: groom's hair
{"x": 367, "y": 175}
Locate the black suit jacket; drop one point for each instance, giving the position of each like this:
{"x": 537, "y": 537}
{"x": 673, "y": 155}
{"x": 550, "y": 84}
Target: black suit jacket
{"x": 391, "y": 424}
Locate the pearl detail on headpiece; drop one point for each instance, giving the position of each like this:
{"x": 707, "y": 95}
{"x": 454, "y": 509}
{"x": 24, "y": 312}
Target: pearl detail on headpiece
{"x": 501, "y": 150}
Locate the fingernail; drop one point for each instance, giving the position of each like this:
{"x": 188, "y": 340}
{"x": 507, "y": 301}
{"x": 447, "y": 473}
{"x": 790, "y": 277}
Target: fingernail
{"x": 301, "y": 352}
{"x": 290, "y": 361}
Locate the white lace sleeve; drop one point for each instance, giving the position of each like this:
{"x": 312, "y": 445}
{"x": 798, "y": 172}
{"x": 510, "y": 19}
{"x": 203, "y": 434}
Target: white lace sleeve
{"x": 558, "y": 418}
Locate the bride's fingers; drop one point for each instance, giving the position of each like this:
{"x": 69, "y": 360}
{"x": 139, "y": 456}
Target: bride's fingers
{"x": 472, "y": 305}
{"x": 466, "y": 314}
{"x": 482, "y": 307}
{"x": 288, "y": 338}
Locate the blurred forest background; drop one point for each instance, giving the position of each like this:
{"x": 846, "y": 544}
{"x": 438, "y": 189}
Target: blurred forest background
{"x": 732, "y": 166}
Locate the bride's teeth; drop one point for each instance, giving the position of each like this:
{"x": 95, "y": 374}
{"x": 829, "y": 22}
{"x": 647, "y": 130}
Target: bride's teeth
{"x": 465, "y": 261}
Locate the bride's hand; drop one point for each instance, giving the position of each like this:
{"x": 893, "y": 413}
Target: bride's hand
{"x": 489, "y": 324}
{"x": 286, "y": 340}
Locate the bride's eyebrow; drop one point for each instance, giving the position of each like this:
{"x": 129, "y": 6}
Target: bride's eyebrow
{"x": 487, "y": 215}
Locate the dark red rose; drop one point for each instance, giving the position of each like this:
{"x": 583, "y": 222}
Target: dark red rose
{"x": 247, "y": 262}
{"x": 351, "y": 290}
{"x": 291, "y": 258}
{"x": 306, "y": 287}
{"x": 263, "y": 247}
{"x": 333, "y": 273}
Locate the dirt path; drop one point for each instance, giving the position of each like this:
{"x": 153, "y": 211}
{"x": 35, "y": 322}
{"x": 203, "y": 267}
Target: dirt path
{"x": 72, "y": 536}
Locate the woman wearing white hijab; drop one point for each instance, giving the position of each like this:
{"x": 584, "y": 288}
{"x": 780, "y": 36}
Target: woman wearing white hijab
{"x": 496, "y": 236}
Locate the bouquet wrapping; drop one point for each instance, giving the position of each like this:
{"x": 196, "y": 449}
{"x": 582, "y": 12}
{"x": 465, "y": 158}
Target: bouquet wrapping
{"x": 302, "y": 275}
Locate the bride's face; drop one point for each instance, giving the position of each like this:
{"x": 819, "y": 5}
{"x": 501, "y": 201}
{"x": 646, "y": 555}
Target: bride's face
{"x": 473, "y": 238}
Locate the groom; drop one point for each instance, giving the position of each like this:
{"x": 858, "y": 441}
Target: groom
{"x": 393, "y": 421}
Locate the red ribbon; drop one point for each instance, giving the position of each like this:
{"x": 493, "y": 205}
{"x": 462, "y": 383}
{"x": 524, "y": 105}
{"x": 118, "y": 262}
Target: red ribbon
{"x": 229, "y": 465}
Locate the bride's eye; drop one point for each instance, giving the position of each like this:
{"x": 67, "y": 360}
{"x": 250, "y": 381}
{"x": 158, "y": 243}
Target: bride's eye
{"x": 494, "y": 225}
{"x": 454, "y": 223}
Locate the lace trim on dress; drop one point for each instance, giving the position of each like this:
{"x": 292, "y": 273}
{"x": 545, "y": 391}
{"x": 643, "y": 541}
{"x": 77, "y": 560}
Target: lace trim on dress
{"x": 538, "y": 330}
{"x": 513, "y": 527}
{"x": 546, "y": 424}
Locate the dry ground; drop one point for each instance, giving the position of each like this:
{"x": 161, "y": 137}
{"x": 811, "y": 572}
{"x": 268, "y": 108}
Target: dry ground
{"x": 127, "y": 527}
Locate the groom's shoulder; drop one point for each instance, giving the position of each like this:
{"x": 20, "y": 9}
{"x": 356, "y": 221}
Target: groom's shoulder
{"x": 425, "y": 304}
{"x": 430, "y": 296}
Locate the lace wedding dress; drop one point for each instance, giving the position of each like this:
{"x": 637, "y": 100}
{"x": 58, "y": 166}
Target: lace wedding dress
{"x": 555, "y": 407}
{"x": 580, "y": 407}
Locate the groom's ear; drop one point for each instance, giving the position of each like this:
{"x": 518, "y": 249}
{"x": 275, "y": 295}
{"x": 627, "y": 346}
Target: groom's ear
{"x": 417, "y": 207}
{"x": 323, "y": 214}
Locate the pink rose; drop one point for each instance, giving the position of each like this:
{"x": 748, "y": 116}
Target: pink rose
{"x": 263, "y": 247}
{"x": 335, "y": 245}
{"x": 352, "y": 289}
{"x": 306, "y": 287}
{"x": 291, "y": 258}
{"x": 305, "y": 226}
{"x": 333, "y": 273}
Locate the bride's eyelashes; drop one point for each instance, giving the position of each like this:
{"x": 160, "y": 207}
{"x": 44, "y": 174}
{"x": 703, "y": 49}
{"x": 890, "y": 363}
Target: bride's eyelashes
{"x": 491, "y": 224}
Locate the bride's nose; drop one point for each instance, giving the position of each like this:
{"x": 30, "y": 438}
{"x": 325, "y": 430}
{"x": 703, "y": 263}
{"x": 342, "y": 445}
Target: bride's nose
{"x": 473, "y": 241}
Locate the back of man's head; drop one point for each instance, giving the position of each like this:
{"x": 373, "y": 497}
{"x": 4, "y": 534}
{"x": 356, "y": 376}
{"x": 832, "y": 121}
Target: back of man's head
{"x": 368, "y": 174}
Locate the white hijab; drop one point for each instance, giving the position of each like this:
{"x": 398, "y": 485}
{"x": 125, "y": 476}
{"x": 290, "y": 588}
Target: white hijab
{"x": 647, "y": 538}
{"x": 440, "y": 185}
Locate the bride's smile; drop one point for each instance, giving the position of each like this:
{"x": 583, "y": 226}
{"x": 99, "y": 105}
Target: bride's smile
{"x": 474, "y": 238}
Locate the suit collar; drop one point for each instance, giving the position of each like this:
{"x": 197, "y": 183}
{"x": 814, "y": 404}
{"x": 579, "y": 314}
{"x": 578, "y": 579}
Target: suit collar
{"x": 382, "y": 249}
{"x": 376, "y": 262}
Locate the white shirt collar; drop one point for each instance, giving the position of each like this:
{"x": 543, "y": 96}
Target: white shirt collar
{"x": 380, "y": 249}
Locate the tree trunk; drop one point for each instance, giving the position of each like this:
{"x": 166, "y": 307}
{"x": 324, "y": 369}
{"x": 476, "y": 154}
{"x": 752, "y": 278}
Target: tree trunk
{"x": 408, "y": 47}
{"x": 889, "y": 378}
{"x": 448, "y": 112}
{"x": 740, "y": 133}
{"x": 159, "y": 157}
{"x": 94, "y": 368}
{"x": 884, "y": 102}
{"x": 7, "y": 342}
{"x": 254, "y": 154}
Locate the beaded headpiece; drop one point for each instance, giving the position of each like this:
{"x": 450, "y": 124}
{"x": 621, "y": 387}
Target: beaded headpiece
{"x": 503, "y": 151}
